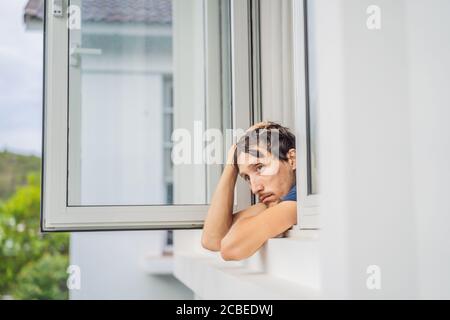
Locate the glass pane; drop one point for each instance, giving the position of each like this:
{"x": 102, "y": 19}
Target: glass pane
{"x": 311, "y": 106}
{"x": 136, "y": 75}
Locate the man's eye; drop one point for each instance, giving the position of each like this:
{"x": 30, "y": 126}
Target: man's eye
{"x": 246, "y": 178}
{"x": 259, "y": 168}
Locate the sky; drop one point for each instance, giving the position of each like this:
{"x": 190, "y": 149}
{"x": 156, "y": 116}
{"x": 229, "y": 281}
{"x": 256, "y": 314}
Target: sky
{"x": 20, "y": 81}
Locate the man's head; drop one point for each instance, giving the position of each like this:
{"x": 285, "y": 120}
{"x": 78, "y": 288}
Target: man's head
{"x": 265, "y": 157}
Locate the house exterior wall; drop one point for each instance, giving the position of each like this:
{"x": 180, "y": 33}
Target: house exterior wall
{"x": 376, "y": 223}
{"x": 113, "y": 266}
{"x": 380, "y": 189}
{"x": 384, "y": 144}
{"x": 429, "y": 67}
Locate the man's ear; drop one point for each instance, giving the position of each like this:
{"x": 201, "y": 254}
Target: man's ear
{"x": 292, "y": 158}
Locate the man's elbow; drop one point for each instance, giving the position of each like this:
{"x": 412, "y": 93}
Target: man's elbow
{"x": 210, "y": 244}
{"x": 229, "y": 255}
{"x": 230, "y": 252}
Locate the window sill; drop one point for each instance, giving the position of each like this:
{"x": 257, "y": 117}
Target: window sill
{"x": 284, "y": 268}
{"x": 213, "y": 278}
{"x": 294, "y": 258}
{"x": 157, "y": 264}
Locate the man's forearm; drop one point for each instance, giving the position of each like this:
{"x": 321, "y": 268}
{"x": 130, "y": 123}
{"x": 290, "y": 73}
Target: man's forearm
{"x": 220, "y": 213}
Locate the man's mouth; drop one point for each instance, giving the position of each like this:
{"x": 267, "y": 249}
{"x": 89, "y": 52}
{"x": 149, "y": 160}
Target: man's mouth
{"x": 264, "y": 197}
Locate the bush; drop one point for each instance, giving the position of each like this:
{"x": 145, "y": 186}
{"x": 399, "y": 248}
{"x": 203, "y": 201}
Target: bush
{"x": 43, "y": 279}
{"x": 22, "y": 244}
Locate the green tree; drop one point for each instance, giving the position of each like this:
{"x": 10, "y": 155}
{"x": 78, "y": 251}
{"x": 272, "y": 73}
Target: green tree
{"x": 43, "y": 279}
{"x": 13, "y": 171}
{"x": 25, "y": 252}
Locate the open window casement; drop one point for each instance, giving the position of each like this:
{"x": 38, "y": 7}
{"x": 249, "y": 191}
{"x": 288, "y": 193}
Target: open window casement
{"x": 126, "y": 86}
{"x": 288, "y": 90}
{"x": 306, "y": 103}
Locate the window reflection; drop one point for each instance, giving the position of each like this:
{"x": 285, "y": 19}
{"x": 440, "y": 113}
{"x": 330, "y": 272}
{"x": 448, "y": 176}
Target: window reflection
{"x": 135, "y": 74}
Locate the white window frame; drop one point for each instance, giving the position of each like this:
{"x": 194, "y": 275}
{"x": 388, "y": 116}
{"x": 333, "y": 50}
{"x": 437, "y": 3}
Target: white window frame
{"x": 241, "y": 79}
{"x": 56, "y": 215}
{"x": 284, "y": 90}
{"x": 308, "y": 204}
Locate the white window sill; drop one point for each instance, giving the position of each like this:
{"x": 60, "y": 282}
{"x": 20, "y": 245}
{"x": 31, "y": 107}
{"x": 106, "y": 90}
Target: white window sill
{"x": 210, "y": 278}
{"x": 157, "y": 264}
{"x": 285, "y": 268}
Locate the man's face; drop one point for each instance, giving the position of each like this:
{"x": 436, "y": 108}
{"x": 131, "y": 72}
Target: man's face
{"x": 269, "y": 178}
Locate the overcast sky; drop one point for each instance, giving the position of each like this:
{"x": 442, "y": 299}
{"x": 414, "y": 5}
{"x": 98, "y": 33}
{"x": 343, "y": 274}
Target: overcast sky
{"x": 20, "y": 81}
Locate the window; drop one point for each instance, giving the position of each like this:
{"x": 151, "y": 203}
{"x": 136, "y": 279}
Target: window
{"x": 306, "y": 102}
{"x": 120, "y": 80}
{"x": 288, "y": 91}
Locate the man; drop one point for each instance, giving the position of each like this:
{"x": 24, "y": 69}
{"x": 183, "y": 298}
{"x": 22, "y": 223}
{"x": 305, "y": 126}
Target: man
{"x": 266, "y": 158}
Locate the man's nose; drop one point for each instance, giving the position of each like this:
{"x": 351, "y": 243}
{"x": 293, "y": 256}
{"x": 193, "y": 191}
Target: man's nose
{"x": 256, "y": 186}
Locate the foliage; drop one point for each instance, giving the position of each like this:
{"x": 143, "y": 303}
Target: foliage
{"x": 43, "y": 279}
{"x": 13, "y": 171}
{"x": 25, "y": 253}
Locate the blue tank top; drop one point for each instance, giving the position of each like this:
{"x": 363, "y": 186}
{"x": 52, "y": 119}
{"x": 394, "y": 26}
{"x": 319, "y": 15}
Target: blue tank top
{"x": 292, "y": 194}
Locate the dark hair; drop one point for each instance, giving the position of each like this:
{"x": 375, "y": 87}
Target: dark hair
{"x": 278, "y": 140}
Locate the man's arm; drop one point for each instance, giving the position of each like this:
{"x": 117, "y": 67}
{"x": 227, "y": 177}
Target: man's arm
{"x": 220, "y": 217}
{"x": 220, "y": 212}
{"x": 248, "y": 234}
{"x": 249, "y": 212}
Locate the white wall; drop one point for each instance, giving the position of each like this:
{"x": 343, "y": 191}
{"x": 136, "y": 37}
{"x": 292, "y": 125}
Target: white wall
{"x": 120, "y": 111}
{"x": 383, "y": 96}
{"x": 121, "y": 150}
{"x": 428, "y": 57}
{"x": 112, "y": 266}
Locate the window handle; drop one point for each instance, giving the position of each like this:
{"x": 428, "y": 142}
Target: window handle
{"x": 76, "y": 52}
{"x": 86, "y": 51}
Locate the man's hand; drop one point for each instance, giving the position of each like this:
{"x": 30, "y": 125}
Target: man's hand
{"x": 230, "y": 155}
